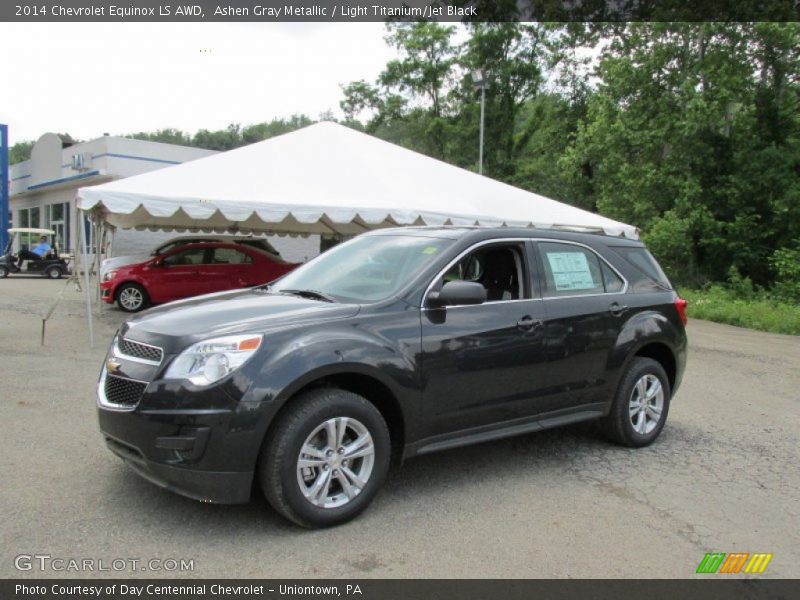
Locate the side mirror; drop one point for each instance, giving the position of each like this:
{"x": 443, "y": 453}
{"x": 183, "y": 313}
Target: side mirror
{"x": 159, "y": 262}
{"x": 458, "y": 292}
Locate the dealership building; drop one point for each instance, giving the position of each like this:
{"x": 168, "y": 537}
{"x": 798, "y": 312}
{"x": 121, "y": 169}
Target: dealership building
{"x": 42, "y": 189}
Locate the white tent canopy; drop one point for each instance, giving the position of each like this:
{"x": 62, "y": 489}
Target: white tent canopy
{"x": 326, "y": 179}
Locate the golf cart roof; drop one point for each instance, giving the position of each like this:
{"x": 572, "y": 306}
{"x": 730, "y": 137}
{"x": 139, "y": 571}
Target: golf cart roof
{"x": 31, "y": 230}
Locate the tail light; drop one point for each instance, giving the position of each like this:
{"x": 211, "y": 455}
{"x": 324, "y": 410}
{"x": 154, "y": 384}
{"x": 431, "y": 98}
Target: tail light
{"x": 680, "y": 305}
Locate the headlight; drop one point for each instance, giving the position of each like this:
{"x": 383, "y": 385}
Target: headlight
{"x": 211, "y": 360}
{"x": 109, "y": 276}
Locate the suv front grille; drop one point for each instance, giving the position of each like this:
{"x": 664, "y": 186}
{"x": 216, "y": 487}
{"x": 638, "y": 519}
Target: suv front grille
{"x": 124, "y": 392}
{"x": 140, "y": 351}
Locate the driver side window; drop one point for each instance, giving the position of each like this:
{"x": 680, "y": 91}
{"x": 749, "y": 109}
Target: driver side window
{"x": 191, "y": 256}
{"x": 499, "y": 268}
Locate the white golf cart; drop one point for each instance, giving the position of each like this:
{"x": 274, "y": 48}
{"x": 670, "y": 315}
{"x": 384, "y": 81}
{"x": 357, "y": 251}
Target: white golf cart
{"x": 52, "y": 265}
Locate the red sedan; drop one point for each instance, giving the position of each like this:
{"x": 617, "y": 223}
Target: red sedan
{"x": 190, "y": 270}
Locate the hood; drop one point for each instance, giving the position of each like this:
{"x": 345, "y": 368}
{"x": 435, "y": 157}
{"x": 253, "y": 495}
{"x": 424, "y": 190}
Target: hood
{"x": 110, "y": 264}
{"x": 177, "y": 324}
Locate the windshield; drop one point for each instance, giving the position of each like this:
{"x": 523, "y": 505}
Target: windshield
{"x": 366, "y": 269}
{"x": 169, "y": 246}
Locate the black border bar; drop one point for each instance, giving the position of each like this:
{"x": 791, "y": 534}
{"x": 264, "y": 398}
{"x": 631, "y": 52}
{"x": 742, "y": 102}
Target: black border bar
{"x": 708, "y": 588}
{"x": 341, "y": 11}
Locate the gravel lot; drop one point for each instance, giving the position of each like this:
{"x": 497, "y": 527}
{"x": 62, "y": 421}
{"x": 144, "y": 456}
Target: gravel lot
{"x": 723, "y": 477}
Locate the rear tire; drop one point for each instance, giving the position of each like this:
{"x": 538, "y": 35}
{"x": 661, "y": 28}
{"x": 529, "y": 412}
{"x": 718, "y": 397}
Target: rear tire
{"x": 344, "y": 446}
{"x": 131, "y": 297}
{"x": 640, "y": 406}
{"x": 54, "y": 272}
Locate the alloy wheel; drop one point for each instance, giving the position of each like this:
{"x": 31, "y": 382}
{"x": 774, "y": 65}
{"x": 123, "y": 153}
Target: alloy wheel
{"x": 335, "y": 462}
{"x": 646, "y": 404}
{"x": 131, "y": 298}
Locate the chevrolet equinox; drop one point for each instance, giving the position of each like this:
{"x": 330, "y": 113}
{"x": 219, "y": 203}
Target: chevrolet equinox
{"x": 396, "y": 343}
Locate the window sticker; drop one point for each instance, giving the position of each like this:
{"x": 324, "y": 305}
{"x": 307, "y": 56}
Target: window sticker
{"x": 429, "y": 250}
{"x": 570, "y": 271}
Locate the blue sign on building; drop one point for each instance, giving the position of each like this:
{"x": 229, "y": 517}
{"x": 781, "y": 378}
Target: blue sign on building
{"x": 4, "y": 185}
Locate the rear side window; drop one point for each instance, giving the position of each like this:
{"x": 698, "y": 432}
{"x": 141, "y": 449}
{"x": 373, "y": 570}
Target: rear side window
{"x": 191, "y": 256}
{"x": 644, "y": 262}
{"x": 570, "y": 270}
{"x": 229, "y": 256}
{"x": 612, "y": 281}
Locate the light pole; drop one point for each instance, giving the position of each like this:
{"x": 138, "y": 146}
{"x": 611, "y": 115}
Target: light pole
{"x": 480, "y": 82}
{"x": 4, "y": 192}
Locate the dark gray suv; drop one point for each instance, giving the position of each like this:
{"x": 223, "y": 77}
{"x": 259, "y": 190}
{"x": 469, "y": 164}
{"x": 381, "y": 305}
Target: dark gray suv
{"x": 397, "y": 343}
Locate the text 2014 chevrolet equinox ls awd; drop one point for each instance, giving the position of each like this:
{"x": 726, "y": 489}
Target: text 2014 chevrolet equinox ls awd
{"x": 396, "y": 343}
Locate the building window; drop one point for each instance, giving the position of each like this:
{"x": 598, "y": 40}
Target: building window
{"x": 29, "y": 217}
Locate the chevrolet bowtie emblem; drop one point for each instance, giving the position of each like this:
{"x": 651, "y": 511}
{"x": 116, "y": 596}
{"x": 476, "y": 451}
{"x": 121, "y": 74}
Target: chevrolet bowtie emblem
{"x": 112, "y": 365}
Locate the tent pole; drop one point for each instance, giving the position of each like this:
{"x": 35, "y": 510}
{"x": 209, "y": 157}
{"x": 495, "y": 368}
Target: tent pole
{"x": 86, "y": 292}
{"x": 102, "y": 241}
{"x": 100, "y": 236}
{"x": 98, "y": 243}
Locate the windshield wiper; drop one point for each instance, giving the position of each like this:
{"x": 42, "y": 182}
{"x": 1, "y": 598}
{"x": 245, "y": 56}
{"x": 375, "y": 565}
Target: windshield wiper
{"x": 312, "y": 294}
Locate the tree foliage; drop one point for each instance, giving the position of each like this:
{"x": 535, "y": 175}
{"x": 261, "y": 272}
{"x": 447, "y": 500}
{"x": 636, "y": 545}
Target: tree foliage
{"x": 689, "y": 131}
{"x": 692, "y": 134}
{"x": 19, "y": 152}
{"x": 233, "y": 136}
{"x": 411, "y": 101}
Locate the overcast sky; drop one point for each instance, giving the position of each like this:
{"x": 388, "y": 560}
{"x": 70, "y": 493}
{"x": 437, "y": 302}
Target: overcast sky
{"x": 87, "y": 79}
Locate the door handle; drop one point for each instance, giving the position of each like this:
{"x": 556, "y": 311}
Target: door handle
{"x": 528, "y": 323}
{"x": 617, "y": 309}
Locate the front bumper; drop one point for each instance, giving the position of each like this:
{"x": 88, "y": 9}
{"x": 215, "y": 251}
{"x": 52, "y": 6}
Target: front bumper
{"x": 107, "y": 291}
{"x": 219, "y": 487}
{"x": 195, "y": 444}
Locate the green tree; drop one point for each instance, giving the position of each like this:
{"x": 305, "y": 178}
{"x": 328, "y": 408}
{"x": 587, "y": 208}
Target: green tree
{"x": 166, "y": 136}
{"x": 692, "y": 136}
{"x": 19, "y": 152}
{"x": 410, "y": 101}
{"x": 262, "y": 131}
{"x": 222, "y": 139}
{"x": 546, "y": 125}
{"x": 514, "y": 57}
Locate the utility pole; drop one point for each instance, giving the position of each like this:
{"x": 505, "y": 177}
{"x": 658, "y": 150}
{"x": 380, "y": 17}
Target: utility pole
{"x": 4, "y": 185}
{"x": 480, "y": 82}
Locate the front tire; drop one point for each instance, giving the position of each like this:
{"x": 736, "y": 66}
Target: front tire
{"x": 131, "y": 297}
{"x": 3, "y": 271}
{"x": 641, "y": 405}
{"x": 326, "y": 458}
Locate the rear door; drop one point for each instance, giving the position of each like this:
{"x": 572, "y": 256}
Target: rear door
{"x": 228, "y": 269}
{"x": 584, "y": 300}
